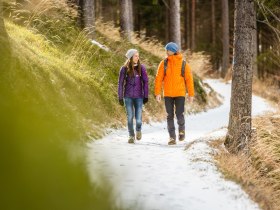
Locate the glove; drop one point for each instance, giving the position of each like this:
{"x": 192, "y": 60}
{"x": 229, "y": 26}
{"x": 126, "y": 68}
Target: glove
{"x": 145, "y": 100}
{"x": 121, "y": 102}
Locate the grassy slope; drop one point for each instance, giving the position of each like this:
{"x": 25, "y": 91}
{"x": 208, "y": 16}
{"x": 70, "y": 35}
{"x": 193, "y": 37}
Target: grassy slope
{"x": 258, "y": 172}
{"x": 59, "y": 90}
{"x": 77, "y": 78}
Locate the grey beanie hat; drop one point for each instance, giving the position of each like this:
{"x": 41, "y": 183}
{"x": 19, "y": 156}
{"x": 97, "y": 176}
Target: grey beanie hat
{"x": 130, "y": 53}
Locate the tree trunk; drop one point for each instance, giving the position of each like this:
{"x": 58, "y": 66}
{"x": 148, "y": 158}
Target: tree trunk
{"x": 187, "y": 24}
{"x": 131, "y": 19}
{"x": 89, "y": 18}
{"x": 239, "y": 129}
{"x": 174, "y": 27}
{"x": 124, "y": 20}
{"x": 225, "y": 26}
{"x": 193, "y": 26}
{"x": 167, "y": 21}
{"x": 80, "y": 5}
{"x": 213, "y": 23}
{"x": 98, "y": 9}
{"x": 137, "y": 20}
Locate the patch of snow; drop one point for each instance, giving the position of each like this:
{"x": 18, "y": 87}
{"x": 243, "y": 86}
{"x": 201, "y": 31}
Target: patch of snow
{"x": 100, "y": 45}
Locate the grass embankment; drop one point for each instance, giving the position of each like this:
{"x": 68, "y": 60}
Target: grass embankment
{"x": 73, "y": 75}
{"x": 258, "y": 172}
{"x": 57, "y": 90}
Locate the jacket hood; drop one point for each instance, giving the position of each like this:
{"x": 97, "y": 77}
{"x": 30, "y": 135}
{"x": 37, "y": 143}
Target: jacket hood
{"x": 176, "y": 57}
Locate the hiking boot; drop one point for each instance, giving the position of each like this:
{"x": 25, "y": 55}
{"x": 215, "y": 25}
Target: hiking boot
{"x": 181, "y": 135}
{"x": 172, "y": 141}
{"x": 138, "y": 135}
{"x": 131, "y": 140}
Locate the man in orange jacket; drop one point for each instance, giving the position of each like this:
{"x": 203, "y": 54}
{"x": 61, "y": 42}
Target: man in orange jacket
{"x": 169, "y": 74}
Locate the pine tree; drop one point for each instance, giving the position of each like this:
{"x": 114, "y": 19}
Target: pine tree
{"x": 174, "y": 27}
{"x": 187, "y": 36}
{"x": 225, "y": 26}
{"x": 89, "y": 18}
{"x": 239, "y": 129}
{"x": 193, "y": 25}
{"x": 213, "y": 18}
{"x": 125, "y": 16}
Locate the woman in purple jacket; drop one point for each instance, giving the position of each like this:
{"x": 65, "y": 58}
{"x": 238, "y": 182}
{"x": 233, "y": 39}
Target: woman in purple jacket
{"x": 133, "y": 92}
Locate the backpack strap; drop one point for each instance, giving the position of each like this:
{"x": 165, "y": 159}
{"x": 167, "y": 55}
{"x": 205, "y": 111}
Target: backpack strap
{"x": 141, "y": 77}
{"x": 165, "y": 66}
{"x": 183, "y": 68}
{"x": 125, "y": 76}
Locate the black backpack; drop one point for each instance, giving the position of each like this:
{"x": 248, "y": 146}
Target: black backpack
{"x": 182, "y": 69}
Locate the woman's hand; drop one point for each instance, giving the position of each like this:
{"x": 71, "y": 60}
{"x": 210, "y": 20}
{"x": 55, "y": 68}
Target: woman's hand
{"x": 145, "y": 100}
{"x": 121, "y": 102}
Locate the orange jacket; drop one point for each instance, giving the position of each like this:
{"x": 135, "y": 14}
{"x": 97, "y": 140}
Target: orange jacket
{"x": 173, "y": 83}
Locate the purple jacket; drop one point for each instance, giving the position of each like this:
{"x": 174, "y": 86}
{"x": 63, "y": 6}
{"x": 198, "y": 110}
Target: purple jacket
{"x": 133, "y": 87}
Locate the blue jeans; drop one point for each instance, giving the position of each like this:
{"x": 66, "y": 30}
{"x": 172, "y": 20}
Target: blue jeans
{"x": 133, "y": 108}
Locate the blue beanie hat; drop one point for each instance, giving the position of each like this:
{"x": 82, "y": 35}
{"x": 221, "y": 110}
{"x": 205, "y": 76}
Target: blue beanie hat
{"x": 171, "y": 46}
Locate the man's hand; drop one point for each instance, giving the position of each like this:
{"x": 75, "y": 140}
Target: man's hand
{"x": 190, "y": 99}
{"x": 158, "y": 98}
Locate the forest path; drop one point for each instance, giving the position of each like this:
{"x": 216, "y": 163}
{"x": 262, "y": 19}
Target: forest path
{"x": 150, "y": 175}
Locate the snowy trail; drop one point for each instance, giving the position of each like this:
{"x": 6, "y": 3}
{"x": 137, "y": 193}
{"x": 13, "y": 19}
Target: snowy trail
{"x": 153, "y": 176}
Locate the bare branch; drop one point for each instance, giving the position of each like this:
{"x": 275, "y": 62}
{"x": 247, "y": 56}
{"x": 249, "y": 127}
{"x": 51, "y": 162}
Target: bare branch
{"x": 263, "y": 10}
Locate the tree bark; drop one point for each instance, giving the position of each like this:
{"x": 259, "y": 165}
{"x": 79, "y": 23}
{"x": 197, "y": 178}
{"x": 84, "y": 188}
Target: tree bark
{"x": 98, "y": 9}
{"x": 137, "y": 19}
{"x": 174, "y": 28}
{"x": 89, "y": 18}
{"x": 225, "y": 26}
{"x": 186, "y": 24}
{"x": 167, "y": 21}
{"x": 80, "y": 5}
{"x": 131, "y": 19}
{"x": 124, "y": 19}
{"x": 213, "y": 14}
{"x": 193, "y": 26}
{"x": 239, "y": 128}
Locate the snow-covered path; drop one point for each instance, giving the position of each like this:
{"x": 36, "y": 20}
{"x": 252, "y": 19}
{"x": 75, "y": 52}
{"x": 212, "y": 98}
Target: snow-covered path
{"x": 150, "y": 175}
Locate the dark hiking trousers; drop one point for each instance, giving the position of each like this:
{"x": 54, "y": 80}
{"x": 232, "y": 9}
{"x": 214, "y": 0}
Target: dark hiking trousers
{"x": 179, "y": 103}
